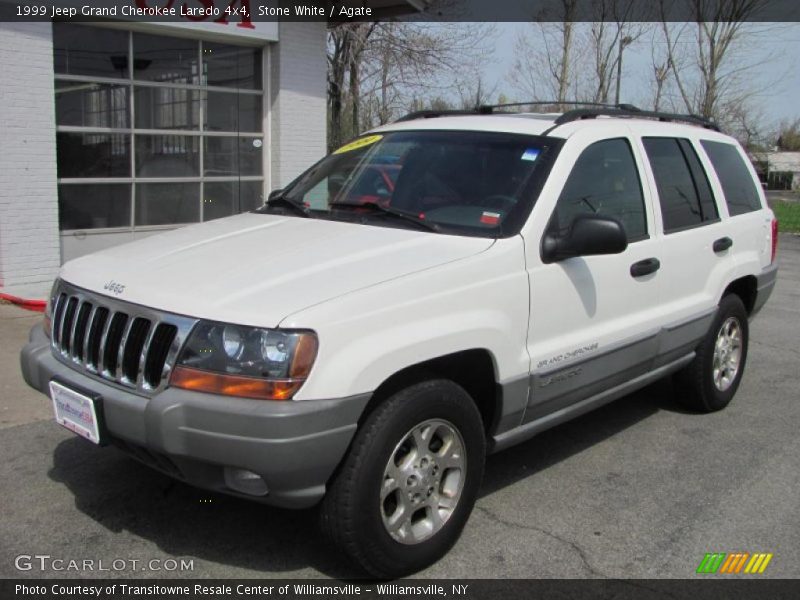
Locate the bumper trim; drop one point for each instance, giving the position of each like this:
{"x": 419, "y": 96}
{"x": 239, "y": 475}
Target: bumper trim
{"x": 294, "y": 445}
{"x": 765, "y": 284}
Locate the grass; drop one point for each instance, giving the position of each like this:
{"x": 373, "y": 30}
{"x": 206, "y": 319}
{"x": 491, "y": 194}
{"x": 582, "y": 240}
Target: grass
{"x": 788, "y": 214}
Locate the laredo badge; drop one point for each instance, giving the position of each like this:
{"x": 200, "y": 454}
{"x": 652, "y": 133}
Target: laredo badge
{"x": 359, "y": 143}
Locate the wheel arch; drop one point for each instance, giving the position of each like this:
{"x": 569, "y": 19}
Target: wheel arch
{"x": 474, "y": 370}
{"x": 746, "y": 288}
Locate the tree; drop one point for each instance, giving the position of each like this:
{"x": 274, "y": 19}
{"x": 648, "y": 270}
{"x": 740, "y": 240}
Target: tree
{"x": 546, "y": 57}
{"x": 705, "y": 58}
{"x": 614, "y": 29}
{"x": 377, "y": 69}
{"x": 789, "y": 136}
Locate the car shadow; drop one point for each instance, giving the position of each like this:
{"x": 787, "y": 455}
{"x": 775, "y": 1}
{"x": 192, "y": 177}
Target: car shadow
{"x": 573, "y": 437}
{"x": 123, "y": 495}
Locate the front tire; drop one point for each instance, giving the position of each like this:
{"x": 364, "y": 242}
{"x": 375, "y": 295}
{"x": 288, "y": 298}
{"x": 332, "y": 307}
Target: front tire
{"x": 710, "y": 381}
{"x": 409, "y": 482}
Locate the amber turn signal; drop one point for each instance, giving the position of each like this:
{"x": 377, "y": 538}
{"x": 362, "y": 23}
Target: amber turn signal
{"x": 199, "y": 380}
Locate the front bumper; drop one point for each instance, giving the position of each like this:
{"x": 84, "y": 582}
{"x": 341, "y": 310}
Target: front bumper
{"x": 293, "y": 445}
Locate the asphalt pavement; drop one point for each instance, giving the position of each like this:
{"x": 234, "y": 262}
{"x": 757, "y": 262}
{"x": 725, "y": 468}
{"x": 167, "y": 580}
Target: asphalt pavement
{"x": 638, "y": 489}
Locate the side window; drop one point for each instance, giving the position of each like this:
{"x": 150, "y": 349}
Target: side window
{"x": 604, "y": 181}
{"x": 683, "y": 189}
{"x": 740, "y": 191}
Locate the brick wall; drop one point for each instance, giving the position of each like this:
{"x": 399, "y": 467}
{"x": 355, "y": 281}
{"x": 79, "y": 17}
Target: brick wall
{"x": 298, "y": 99}
{"x": 29, "y": 244}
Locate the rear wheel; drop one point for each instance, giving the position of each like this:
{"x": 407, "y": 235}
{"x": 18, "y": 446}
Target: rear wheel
{"x": 710, "y": 381}
{"x": 406, "y": 488}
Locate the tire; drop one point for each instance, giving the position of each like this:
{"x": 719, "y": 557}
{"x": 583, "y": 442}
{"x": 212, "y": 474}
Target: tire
{"x": 366, "y": 492}
{"x": 703, "y": 386}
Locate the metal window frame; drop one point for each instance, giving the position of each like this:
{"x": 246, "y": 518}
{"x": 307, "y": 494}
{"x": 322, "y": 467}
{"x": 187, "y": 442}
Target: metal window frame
{"x": 131, "y": 83}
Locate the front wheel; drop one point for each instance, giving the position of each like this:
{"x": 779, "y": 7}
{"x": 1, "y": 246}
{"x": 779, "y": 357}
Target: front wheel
{"x": 405, "y": 490}
{"x": 710, "y": 381}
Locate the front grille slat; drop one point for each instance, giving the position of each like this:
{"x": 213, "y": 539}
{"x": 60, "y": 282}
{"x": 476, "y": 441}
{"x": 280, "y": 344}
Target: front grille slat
{"x": 131, "y": 350}
{"x": 58, "y": 319}
{"x": 101, "y": 353}
{"x": 121, "y": 351}
{"x": 66, "y": 325}
{"x": 128, "y": 345}
{"x": 79, "y": 331}
{"x": 116, "y": 331}
{"x": 157, "y": 353}
{"x": 95, "y": 339}
{"x": 87, "y": 335}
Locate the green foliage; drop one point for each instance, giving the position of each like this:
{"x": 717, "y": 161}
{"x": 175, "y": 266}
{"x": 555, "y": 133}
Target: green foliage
{"x": 788, "y": 215}
{"x": 789, "y": 137}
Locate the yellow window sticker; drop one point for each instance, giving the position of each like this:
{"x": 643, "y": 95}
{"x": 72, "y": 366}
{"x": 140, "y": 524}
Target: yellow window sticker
{"x": 359, "y": 143}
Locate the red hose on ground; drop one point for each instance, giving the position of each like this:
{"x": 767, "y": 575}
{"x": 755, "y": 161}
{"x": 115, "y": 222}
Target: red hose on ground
{"x": 35, "y": 305}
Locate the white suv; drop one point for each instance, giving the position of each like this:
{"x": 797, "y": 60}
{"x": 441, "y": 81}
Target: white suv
{"x": 440, "y": 288}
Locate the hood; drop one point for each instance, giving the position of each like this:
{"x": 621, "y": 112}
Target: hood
{"x": 256, "y": 269}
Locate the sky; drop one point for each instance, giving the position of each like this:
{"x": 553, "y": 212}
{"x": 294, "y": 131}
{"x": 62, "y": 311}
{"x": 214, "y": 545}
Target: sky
{"x": 778, "y": 78}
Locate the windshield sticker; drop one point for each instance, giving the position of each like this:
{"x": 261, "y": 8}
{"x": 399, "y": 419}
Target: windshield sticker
{"x": 359, "y": 143}
{"x": 530, "y": 154}
{"x": 490, "y": 218}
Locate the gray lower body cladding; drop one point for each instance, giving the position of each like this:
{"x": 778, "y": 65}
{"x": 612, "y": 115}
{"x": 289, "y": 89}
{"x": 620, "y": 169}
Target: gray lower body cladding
{"x": 557, "y": 395}
{"x": 765, "y": 283}
{"x": 294, "y": 446}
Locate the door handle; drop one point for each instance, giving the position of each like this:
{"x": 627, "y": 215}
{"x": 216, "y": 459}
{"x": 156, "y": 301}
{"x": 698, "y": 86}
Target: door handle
{"x": 722, "y": 244}
{"x": 645, "y": 267}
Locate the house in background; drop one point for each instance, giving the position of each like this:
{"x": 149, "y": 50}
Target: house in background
{"x": 116, "y": 131}
{"x": 778, "y": 170}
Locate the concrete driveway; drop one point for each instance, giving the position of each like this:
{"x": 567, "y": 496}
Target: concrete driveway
{"x": 637, "y": 489}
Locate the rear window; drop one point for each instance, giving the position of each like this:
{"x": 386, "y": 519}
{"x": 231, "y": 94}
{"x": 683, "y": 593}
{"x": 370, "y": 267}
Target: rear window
{"x": 683, "y": 189}
{"x": 741, "y": 194}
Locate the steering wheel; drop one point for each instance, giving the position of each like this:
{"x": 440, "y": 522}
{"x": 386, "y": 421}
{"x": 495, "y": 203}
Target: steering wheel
{"x": 500, "y": 201}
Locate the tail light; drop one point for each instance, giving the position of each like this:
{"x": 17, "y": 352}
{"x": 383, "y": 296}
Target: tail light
{"x": 774, "y": 240}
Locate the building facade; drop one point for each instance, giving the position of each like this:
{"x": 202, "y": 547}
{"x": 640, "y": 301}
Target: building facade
{"x": 115, "y": 132}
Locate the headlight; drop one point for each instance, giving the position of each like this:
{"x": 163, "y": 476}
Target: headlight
{"x": 250, "y": 362}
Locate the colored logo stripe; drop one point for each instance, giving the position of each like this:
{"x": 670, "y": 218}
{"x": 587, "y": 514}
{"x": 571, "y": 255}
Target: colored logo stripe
{"x": 720, "y": 562}
{"x": 711, "y": 562}
{"x": 734, "y": 562}
{"x": 758, "y": 563}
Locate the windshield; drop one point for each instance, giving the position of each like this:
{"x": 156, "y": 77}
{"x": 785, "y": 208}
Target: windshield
{"x": 468, "y": 182}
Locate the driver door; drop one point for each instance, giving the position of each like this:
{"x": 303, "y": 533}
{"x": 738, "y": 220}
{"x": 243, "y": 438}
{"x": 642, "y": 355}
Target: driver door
{"x": 593, "y": 319}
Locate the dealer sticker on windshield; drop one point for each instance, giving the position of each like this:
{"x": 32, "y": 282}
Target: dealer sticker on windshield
{"x": 359, "y": 143}
{"x": 530, "y": 154}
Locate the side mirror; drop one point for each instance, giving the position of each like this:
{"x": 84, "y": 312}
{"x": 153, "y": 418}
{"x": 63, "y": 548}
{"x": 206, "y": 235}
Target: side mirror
{"x": 587, "y": 235}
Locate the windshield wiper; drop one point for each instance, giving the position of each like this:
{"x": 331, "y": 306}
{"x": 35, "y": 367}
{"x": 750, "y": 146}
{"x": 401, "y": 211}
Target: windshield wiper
{"x": 282, "y": 200}
{"x": 393, "y": 212}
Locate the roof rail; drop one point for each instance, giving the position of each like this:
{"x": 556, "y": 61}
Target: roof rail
{"x": 597, "y": 109}
{"x": 432, "y": 114}
{"x": 488, "y": 109}
{"x": 632, "y": 111}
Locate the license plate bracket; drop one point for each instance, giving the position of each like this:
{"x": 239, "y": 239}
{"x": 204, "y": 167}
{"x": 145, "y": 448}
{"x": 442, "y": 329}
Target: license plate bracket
{"x": 79, "y": 410}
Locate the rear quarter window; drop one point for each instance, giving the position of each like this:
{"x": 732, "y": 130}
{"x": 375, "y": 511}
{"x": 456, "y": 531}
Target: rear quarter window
{"x": 741, "y": 194}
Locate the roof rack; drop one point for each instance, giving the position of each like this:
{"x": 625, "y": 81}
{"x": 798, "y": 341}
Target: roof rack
{"x": 488, "y": 109}
{"x": 432, "y": 114}
{"x": 596, "y": 109}
{"x": 631, "y": 111}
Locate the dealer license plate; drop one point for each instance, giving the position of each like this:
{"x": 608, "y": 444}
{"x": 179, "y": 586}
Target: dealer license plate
{"x": 77, "y": 412}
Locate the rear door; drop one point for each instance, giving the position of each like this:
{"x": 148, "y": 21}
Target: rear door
{"x": 594, "y": 319}
{"x": 697, "y": 254}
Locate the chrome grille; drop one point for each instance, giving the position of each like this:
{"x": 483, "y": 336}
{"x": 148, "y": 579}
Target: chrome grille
{"x": 128, "y": 345}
